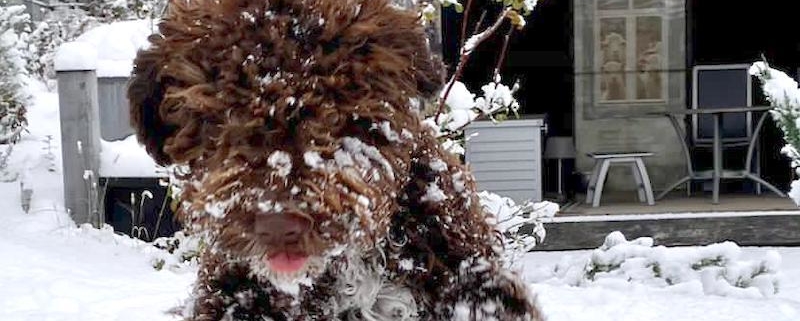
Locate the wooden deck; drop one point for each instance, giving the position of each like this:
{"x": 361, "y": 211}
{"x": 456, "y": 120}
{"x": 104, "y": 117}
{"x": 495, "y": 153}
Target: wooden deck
{"x": 625, "y": 203}
{"x": 752, "y": 220}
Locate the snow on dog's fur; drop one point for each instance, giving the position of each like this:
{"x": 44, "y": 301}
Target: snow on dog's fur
{"x": 322, "y": 194}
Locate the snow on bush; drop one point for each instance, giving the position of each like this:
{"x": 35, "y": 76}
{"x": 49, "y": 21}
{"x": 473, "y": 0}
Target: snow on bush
{"x": 13, "y": 22}
{"x": 61, "y": 25}
{"x": 716, "y": 267}
{"x": 183, "y": 251}
{"x": 513, "y": 222}
{"x": 64, "y": 24}
{"x": 177, "y": 253}
{"x": 458, "y": 107}
{"x": 117, "y": 10}
{"x": 13, "y": 99}
{"x": 463, "y": 107}
{"x": 782, "y": 92}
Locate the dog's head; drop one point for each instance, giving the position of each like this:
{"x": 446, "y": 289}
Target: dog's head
{"x": 295, "y": 118}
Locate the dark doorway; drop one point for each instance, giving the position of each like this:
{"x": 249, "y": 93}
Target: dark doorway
{"x": 540, "y": 56}
{"x": 138, "y": 207}
{"x": 736, "y": 32}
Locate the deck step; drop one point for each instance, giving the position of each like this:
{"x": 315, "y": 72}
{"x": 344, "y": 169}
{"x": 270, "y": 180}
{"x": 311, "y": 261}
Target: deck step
{"x": 746, "y": 229}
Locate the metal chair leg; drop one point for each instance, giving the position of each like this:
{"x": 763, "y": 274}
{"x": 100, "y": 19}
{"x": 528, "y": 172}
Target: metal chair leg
{"x": 592, "y": 182}
{"x": 764, "y": 183}
{"x": 648, "y": 189}
{"x": 685, "y": 179}
{"x": 601, "y": 178}
{"x": 637, "y": 177}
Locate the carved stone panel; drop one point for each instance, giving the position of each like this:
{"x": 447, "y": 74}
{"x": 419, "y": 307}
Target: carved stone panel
{"x": 613, "y": 59}
{"x": 650, "y": 58}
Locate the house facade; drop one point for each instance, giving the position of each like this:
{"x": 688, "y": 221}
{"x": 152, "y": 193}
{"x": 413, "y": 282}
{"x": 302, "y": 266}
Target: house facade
{"x": 606, "y": 71}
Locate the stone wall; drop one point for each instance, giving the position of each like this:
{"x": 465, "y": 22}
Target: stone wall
{"x": 605, "y": 122}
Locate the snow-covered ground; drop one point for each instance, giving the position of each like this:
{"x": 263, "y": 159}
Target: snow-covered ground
{"x": 619, "y": 300}
{"x": 52, "y": 270}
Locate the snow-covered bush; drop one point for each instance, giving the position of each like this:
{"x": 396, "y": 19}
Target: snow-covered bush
{"x": 174, "y": 254}
{"x": 457, "y": 107}
{"x": 716, "y": 268}
{"x": 57, "y": 27}
{"x": 65, "y": 24}
{"x": 13, "y": 34}
{"x": 511, "y": 218}
{"x": 13, "y": 98}
{"x": 183, "y": 250}
{"x": 117, "y": 10}
{"x": 782, "y": 92}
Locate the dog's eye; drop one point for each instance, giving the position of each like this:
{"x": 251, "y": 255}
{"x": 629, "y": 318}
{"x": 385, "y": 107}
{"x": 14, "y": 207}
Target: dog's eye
{"x": 330, "y": 46}
{"x": 363, "y": 50}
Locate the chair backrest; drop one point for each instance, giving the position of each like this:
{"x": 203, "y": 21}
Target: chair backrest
{"x": 720, "y": 86}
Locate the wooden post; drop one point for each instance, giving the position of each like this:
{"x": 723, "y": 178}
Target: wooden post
{"x": 80, "y": 131}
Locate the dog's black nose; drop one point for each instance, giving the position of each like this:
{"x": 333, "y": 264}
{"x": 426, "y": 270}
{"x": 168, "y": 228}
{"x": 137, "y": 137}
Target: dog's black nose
{"x": 282, "y": 229}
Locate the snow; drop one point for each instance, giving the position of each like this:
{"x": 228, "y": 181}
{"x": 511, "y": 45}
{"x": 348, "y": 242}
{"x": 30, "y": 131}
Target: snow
{"x": 56, "y": 271}
{"x": 313, "y": 159}
{"x": 109, "y": 49}
{"x": 509, "y": 217}
{"x": 433, "y": 194}
{"x": 386, "y": 130}
{"x": 783, "y": 93}
{"x": 281, "y": 161}
{"x": 53, "y": 270}
{"x": 438, "y": 165}
{"x": 363, "y": 154}
{"x": 461, "y": 102}
{"x": 76, "y": 56}
{"x": 619, "y": 300}
{"x": 68, "y": 273}
{"x": 127, "y": 158}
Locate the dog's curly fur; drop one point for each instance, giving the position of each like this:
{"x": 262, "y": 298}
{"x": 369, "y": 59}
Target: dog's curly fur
{"x": 308, "y": 107}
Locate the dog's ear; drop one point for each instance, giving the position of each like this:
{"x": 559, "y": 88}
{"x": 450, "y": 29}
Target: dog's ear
{"x": 429, "y": 70}
{"x": 145, "y": 93}
{"x": 405, "y": 30}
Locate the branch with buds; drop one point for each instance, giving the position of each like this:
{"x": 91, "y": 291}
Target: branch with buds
{"x": 457, "y": 107}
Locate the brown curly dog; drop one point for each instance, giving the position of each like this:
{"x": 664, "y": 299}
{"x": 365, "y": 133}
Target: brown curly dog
{"x": 320, "y": 192}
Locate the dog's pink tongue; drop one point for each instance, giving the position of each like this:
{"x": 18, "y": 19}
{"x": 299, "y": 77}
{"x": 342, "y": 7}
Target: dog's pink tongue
{"x": 286, "y": 262}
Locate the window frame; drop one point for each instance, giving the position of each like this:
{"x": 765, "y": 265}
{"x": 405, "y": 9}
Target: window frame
{"x": 631, "y": 66}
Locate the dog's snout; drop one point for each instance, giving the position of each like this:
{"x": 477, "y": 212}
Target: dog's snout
{"x": 282, "y": 228}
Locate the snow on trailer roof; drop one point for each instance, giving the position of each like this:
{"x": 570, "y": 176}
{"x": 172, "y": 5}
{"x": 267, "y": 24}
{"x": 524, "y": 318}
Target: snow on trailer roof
{"x": 109, "y": 48}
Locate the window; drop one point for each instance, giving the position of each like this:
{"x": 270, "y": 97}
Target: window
{"x": 630, "y": 51}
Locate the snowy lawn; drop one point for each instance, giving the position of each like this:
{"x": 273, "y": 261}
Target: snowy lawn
{"x": 52, "y": 270}
{"x": 618, "y": 300}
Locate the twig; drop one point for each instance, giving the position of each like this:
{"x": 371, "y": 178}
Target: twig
{"x": 465, "y": 55}
{"x": 479, "y": 24}
{"x": 465, "y": 22}
{"x": 503, "y": 52}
